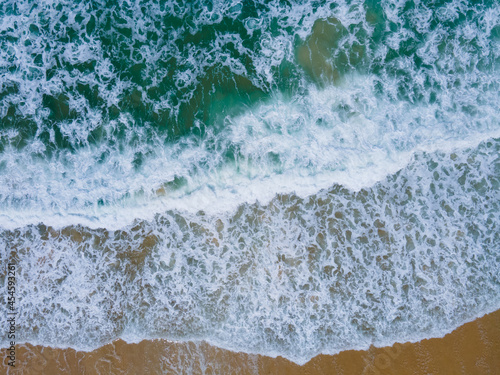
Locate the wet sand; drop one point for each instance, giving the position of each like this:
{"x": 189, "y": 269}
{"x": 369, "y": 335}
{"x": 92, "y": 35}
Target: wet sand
{"x": 473, "y": 348}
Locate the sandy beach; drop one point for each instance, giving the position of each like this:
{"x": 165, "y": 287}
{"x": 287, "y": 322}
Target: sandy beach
{"x": 473, "y": 348}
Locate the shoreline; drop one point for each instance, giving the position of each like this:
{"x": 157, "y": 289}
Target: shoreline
{"x": 473, "y": 348}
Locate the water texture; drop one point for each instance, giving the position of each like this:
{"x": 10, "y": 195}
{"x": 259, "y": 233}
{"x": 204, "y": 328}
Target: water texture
{"x": 276, "y": 177}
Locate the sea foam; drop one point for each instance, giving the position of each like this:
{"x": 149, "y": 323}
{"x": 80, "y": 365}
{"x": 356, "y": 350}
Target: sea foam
{"x": 414, "y": 256}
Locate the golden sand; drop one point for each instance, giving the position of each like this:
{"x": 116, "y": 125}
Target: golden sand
{"x": 473, "y": 348}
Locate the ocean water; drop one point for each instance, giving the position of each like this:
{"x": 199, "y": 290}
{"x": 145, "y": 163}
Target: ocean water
{"x": 276, "y": 177}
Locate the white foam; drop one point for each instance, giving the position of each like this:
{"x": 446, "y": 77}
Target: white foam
{"x": 370, "y": 123}
{"x": 412, "y": 257}
{"x": 342, "y": 135}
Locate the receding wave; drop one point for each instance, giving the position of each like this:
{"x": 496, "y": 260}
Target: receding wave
{"x": 411, "y": 257}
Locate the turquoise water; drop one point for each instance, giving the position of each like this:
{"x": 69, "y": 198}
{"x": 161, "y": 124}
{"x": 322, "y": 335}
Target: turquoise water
{"x": 287, "y": 178}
